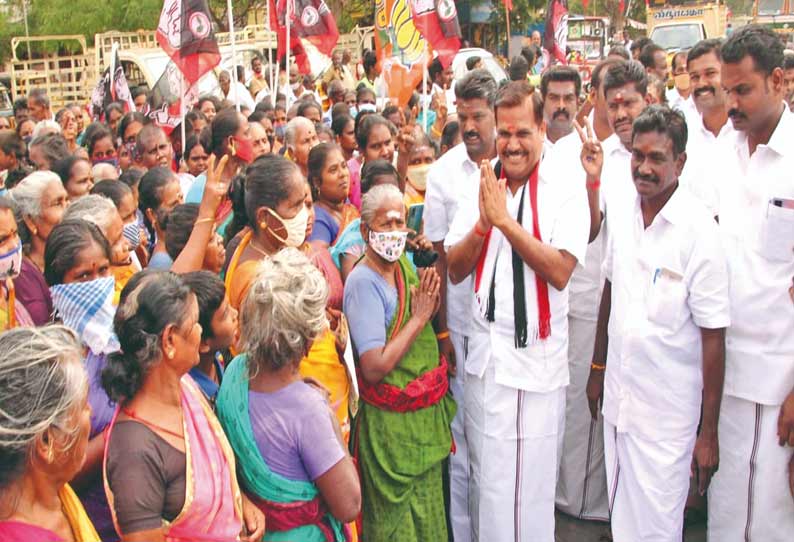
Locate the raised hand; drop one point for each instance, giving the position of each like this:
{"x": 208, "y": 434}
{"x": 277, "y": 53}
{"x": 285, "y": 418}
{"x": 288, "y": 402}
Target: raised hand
{"x": 592, "y": 155}
{"x": 214, "y": 189}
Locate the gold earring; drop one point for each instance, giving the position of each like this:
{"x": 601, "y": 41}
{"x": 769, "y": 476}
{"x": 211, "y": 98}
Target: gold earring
{"x": 170, "y": 354}
{"x": 263, "y": 225}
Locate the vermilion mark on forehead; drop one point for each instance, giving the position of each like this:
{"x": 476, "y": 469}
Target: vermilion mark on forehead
{"x": 619, "y": 98}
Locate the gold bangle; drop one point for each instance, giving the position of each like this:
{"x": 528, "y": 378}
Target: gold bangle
{"x": 203, "y": 220}
{"x": 597, "y": 367}
{"x": 443, "y": 335}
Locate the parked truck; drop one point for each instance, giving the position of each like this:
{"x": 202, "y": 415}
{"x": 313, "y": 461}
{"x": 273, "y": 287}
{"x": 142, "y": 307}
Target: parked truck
{"x": 679, "y": 25}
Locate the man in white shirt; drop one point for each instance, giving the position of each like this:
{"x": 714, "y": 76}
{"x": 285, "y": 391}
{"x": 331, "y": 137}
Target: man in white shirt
{"x": 680, "y": 96}
{"x": 660, "y": 340}
{"x": 235, "y": 91}
{"x": 519, "y": 242}
{"x": 582, "y": 483}
{"x": 453, "y": 175}
{"x": 750, "y": 499}
{"x": 708, "y": 125}
{"x": 559, "y": 87}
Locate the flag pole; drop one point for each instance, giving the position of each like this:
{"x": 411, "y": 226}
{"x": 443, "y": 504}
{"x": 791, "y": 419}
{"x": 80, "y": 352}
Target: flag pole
{"x": 289, "y": 50}
{"x": 233, "y": 75}
{"x": 424, "y": 90}
{"x": 182, "y": 91}
{"x": 507, "y": 23}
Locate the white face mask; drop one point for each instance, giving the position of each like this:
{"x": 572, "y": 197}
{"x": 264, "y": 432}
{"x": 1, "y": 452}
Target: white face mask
{"x": 295, "y": 227}
{"x": 389, "y": 245}
{"x": 11, "y": 262}
{"x": 367, "y": 107}
{"x": 417, "y": 176}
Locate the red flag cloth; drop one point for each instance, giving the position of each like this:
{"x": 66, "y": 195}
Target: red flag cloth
{"x": 309, "y": 19}
{"x": 556, "y": 31}
{"x": 165, "y": 100}
{"x": 509, "y": 4}
{"x": 621, "y": 6}
{"x": 111, "y": 88}
{"x": 584, "y": 5}
{"x": 185, "y": 34}
{"x": 437, "y": 22}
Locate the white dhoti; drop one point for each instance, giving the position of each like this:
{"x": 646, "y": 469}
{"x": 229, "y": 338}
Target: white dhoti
{"x": 514, "y": 438}
{"x": 459, "y": 461}
{"x": 749, "y": 498}
{"x": 648, "y": 485}
{"x": 582, "y": 484}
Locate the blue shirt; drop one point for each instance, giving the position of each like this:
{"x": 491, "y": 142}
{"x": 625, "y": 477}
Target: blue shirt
{"x": 208, "y": 386}
{"x": 369, "y": 304}
{"x": 325, "y": 227}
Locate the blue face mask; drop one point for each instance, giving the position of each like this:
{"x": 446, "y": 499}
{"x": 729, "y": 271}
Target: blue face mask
{"x": 132, "y": 233}
{"x": 278, "y": 131}
{"x": 11, "y": 262}
{"x": 112, "y": 161}
{"x": 353, "y": 111}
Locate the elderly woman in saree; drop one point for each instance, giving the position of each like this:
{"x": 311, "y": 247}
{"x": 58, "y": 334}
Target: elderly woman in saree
{"x": 273, "y": 211}
{"x": 402, "y": 434}
{"x": 44, "y": 424}
{"x": 289, "y": 446}
{"x": 169, "y": 471}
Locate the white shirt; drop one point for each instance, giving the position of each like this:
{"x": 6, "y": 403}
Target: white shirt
{"x": 702, "y": 153}
{"x": 243, "y": 95}
{"x": 676, "y": 101}
{"x": 449, "y": 178}
{"x": 543, "y": 365}
{"x": 759, "y": 240}
{"x": 668, "y": 281}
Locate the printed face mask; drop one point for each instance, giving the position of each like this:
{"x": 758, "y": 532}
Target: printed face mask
{"x": 11, "y": 262}
{"x": 389, "y": 245}
{"x": 417, "y": 176}
{"x": 295, "y": 227}
{"x": 132, "y": 233}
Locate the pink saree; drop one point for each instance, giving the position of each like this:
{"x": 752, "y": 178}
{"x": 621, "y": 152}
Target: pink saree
{"x": 213, "y": 502}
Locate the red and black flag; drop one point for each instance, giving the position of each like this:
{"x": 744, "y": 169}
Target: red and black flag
{"x": 556, "y": 31}
{"x": 309, "y": 19}
{"x": 185, "y": 34}
{"x": 111, "y": 87}
{"x": 437, "y": 21}
{"x": 165, "y": 100}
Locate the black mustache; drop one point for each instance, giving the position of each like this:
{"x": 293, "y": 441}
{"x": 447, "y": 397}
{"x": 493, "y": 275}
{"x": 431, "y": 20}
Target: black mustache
{"x": 471, "y": 134}
{"x": 736, "y": 114}
{"x": 509, "y": 154}
{"x": 704, "y": 90}
{"x": 561, "y": 112}
{"x": 647, "y": 178}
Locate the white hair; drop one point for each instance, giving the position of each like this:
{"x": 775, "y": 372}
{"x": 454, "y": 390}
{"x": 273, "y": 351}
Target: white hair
{"x": 41, "y": 382}
{"x": 375, "y": 198}
{"x": 291, "y": 131}
{"x": 93, "y": 208}
{"x": 284, "y": 311}
{"x": 28, "y": 192}
{"x": 103, "y": 171}
{"x": 45, "y": 127}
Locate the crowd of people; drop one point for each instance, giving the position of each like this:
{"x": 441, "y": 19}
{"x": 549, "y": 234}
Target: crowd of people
{"x": 342, "y": 321}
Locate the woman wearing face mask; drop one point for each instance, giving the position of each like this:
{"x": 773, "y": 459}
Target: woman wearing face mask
{"x": 44, "y": 420}
{"x": 79, "y": 273}
{"x": 330, "y": 183}
{"x": 12, "y": 311}
{"x": 101, "y": 212}
{"x": 421, "y": 156}
{"x": 75, "y": 174}
{"x": 390, "y": 310}
{"x": 275, "y": 204}
{"x": 158, "y": 193}
{"x": 228, "y": 135}
{"x": 41, "y": 200}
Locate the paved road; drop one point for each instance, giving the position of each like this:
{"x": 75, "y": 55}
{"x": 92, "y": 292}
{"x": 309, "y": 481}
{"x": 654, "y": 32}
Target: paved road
{"x": 574, "y": 530}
